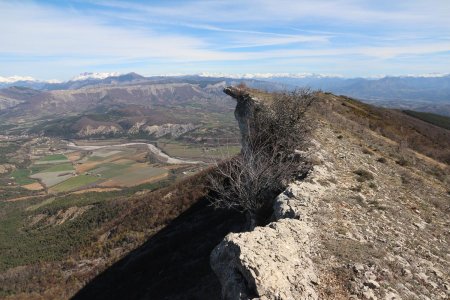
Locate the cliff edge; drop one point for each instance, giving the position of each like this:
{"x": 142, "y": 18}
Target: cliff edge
{"x": 370, "y": 221}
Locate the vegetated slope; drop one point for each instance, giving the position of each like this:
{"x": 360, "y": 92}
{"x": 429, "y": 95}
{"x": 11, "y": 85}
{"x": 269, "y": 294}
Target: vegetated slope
{"x": 409, "y": 131}
{"x": 438, "y": 120}
{"x": 86, "y": 233}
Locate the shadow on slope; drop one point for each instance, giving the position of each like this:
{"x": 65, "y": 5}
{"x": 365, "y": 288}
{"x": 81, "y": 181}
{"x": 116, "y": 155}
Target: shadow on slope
{"x": 172, "y": 264}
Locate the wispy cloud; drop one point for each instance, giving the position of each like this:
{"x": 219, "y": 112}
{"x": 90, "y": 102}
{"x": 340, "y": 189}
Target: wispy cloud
{"x": 243, "y": 36}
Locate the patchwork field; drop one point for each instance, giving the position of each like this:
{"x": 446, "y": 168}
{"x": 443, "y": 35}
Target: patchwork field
{"x": 100, "y": 167}
{"x": 44, "y": 166}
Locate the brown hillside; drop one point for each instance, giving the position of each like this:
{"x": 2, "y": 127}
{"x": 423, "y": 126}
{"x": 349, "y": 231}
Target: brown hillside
{"x": 408, "y": 131}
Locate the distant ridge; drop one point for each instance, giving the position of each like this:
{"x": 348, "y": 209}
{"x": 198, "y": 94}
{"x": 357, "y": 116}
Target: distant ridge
{"x": 425, "y": 92}
{"x": 93, "y": 75}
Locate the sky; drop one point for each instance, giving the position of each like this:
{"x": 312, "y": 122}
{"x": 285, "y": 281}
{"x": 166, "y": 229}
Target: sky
{"x": 57, "y": 39}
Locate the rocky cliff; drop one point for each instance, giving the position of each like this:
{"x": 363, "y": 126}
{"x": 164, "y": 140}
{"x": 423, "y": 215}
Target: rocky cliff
{"x": 369, "y": 222}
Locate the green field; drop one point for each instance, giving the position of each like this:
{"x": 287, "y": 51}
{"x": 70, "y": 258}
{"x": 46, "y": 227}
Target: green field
{"x": 39, "y": 168}
{"x": 198, "y": 152}
{"x": 132, "y": 175}
{"x": 21, "y": 176}
{"x": 108, "y": 170}
{"x": 96, "y": 158}
{"x": 54, "y": 157}
{"x": 74, "y": 183}
{"x": 52, "y": 178}
{"x": 59, "y": 168}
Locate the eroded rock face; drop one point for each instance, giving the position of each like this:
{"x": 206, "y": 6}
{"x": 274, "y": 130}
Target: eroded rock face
{"x": 101, "y": 129}
{"x": 274, "y": 262}
{"x": 245, "y": 108}
{"x": 270, "y": 262}
{"x": 175, "y": 130}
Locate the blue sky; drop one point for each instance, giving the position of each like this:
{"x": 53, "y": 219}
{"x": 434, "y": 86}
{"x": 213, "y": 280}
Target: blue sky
{"x": 59, "y": 39}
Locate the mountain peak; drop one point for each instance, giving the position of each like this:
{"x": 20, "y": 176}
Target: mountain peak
{"x": 105, "y": 75}
{"x": 94, "y": 75}
{"x": 130, "y": 76}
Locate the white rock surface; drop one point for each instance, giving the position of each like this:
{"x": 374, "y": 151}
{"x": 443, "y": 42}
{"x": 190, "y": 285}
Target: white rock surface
{"x": 273, "y": 262}
{"x": 270, "y": 262}
{"x": 175, "y": 130}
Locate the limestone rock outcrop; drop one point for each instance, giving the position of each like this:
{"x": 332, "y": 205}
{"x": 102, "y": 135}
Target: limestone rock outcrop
{"x": 246, "y": 106}
{"x": 274, "y": 261}
{"x": 269, "y": 262}
{"x": 174, "y": 130}
{"x": 100, "y": 129}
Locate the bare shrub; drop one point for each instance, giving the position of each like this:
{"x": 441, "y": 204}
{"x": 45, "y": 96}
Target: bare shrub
{"x": 268, "y": 160}
{"x": 363, "y": 175}
{"x": 402, "y": 162}
{"x": 367, "y": 151}
{"x": 381, "y": 160}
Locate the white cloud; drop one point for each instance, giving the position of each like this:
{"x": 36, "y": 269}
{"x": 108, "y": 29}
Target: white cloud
{"x": 126, "y": 36}
{"x": 34, "y": 30}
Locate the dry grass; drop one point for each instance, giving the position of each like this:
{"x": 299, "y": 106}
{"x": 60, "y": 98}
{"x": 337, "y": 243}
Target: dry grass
{"x": 33, "y": 186}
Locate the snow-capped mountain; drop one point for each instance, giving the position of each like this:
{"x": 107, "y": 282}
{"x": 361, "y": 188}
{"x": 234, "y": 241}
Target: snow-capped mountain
{"x": 25, "y": 81}
{"x": 427, "y": 75}
{"x": 269, "y": 75}
{"x": 94, "y": 75}
{"x": 16, "y": 79}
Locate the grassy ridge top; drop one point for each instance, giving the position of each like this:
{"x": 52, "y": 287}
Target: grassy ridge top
{"x": 406, "y": 130}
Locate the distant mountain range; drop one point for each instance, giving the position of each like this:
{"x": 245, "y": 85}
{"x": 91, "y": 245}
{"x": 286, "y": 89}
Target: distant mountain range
{"x": 428, "y": 92}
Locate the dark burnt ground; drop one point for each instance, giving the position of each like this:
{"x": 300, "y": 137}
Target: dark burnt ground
{"x": 172, "y": 264}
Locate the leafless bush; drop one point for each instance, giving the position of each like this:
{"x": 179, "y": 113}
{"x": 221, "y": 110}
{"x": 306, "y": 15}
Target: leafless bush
{"x": 268, "y": 160}
{"x": 363, "y": 175}
{"x": 281, "y": 126}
